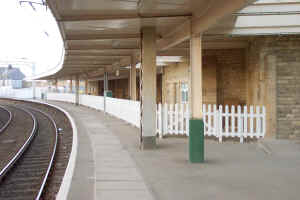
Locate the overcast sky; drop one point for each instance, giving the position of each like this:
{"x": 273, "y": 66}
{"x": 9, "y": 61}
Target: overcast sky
{"x": 25, "y": 33}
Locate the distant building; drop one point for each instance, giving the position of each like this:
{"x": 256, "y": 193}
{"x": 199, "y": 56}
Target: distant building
{"x": 10, "y": 76}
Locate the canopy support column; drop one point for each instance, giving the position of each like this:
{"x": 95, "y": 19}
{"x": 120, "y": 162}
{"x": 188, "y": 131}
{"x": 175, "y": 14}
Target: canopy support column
{"x": 148, "y": 88}
{"x": 86, "y": 86}
{"x": 77, "y": 90}
{"x": 132, "y": 85}
{"x": 196, "y": 124}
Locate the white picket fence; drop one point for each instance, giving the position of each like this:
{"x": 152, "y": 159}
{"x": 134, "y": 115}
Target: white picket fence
{"x": 218, "y": 122}
{"x": 235, "y": 122}
{"x": 172, "y": 119}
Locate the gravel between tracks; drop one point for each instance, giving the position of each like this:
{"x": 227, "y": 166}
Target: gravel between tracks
{"x": 25, "y": 179}
{"x": 63, "y": 150}
{"x": 4, "y": 117}
{"x": 15, "y": 135}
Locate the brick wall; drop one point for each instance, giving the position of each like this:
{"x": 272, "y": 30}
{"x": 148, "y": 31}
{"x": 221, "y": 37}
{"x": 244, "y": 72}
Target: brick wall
{"x": 224, "y": 77}
{"x": 288, "y": 94}
{"x": 274, "y": 71}
{"x": 231, "y": 75}
{"x": 173, "y": 75}
{"x": 94, "y": 88}
{"x": 119, "y": 88}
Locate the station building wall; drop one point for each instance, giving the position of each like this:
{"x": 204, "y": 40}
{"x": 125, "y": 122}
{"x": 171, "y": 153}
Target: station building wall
{"x": 224, "y": 78}
{"x": 120, "y": 88}
{"x": 273, "y": 80}
{"x": 93, "y": 88}
{"x": 266, "y": 73}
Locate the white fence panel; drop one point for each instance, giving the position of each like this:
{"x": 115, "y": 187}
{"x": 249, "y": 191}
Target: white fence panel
{"x": 96, "y": 102}
{"x": 159, "y": 121}
{"x": 124, "y": 109}
{"x": 66, "y": 97}
{"x": 172, "y": 119}
{"x": 22, "y": 93}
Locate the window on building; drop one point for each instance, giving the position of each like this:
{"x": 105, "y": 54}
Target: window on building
{"x": 184, "y": 92}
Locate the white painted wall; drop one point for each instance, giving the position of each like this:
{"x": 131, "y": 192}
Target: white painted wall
{"x": 23, "y": 93}
{"x": 126, "y": 110}
{"x": 65, "y": 97}
{"x": 96, "y": 102}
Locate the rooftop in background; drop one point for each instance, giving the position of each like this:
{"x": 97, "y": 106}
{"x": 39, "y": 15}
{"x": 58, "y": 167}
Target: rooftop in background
{"x": 11, "y": 73}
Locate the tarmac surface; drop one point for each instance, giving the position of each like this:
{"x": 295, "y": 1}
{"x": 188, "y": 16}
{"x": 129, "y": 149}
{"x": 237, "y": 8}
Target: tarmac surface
{"x": 110, "y": 165}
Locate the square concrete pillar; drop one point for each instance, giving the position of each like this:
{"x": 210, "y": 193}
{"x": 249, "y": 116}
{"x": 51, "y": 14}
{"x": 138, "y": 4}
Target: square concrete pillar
{"x": 71, "y": 85}
{"x": 86, "y": 86}
{"x": 148, "y": 88}
{"x": 196, "y": 77}
{"x": 196, "y": 127}
{"x": 77, "y": 90}
{"x": 56, "y": 85}
{"x": 132, "y": 79}
{"x": 105, "y": 81}
{"x": 105, "y": 88}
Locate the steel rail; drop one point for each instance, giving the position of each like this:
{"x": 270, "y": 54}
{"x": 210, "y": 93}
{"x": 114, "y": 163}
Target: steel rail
{"x": 10, "y": 164}
{"x": 53, "y": 151}
{"x": 8, "y": 121}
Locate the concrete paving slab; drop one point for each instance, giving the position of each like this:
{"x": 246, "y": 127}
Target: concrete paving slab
{"x": 231, "y": 170}
{"x": 124, "y": 194}
{"x": 111, "y": 173}
{"x": 121, "y": 185}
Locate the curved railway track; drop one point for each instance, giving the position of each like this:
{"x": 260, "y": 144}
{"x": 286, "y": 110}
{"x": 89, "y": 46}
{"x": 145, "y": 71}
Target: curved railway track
{"x": 5, "y": 118}
{"x": 27, "y": 175}
{"x": 16, "y": 138}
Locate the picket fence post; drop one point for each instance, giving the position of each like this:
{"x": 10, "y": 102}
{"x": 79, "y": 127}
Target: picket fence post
{"x": 232, "y": 121}
{"x": 187, "y": 120}
{"x": 245, "y": 122}
{"x": 264, "y": 121}
{"x": 181, "y": 119}
{"x": 240, "y": 124}
{"x": 216, "y": 124}
{"x": 258, "y": 122}
{"x": 220, "y": 123}
{"x": 176, "y": 113}
{"x": 251, "y": 121}
{"x": 226, "y": 121}
{"x": 160, "y": 121}
{"x": 165, "y": 119}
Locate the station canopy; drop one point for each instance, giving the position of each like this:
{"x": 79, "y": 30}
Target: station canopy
{"x": 105, "y": 34}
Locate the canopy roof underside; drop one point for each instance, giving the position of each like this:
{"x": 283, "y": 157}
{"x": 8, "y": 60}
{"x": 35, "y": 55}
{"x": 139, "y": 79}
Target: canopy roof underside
{"x": 105, "y": 34}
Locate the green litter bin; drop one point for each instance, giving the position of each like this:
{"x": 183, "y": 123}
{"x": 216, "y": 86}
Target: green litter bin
{"x": 196, "y": 141}
{"x": 108, "y": 93}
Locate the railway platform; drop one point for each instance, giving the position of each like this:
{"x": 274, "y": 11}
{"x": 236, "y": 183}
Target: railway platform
{"x": 110, "y": 165}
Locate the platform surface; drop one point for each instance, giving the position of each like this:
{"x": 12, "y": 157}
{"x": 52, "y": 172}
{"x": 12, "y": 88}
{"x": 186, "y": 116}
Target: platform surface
{"x": 110, "y": 165}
